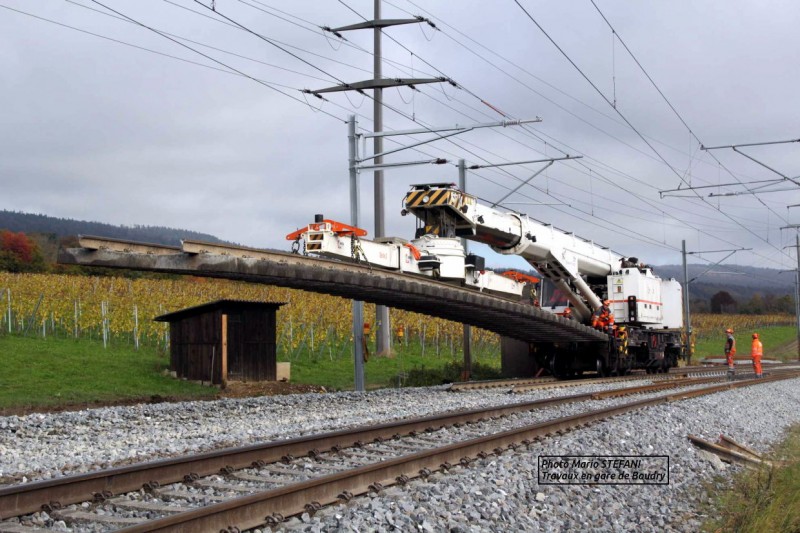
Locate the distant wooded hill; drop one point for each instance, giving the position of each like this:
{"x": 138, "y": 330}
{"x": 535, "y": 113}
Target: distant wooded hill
{"x": 741, "y": 282}
{"x": 64, "y": 227}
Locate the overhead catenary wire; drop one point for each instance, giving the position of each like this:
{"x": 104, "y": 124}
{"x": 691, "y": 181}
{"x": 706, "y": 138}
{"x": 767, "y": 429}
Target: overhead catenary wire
{"x": 661, "y": 93}
{"x": 404, "y": 47}
{"x": 297, "y": 99}
{"x": 590, "y": 169}
{"x": 528, "y": 128}
{"x": 205, "y": 45}
{"x": 569, "y": 59}
{"x": 583, "y": 164}
{"x": 432, "y": 66}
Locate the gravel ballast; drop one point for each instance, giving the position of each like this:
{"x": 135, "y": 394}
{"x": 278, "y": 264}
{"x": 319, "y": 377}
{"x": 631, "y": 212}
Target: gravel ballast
{"x": 496, "y": 493}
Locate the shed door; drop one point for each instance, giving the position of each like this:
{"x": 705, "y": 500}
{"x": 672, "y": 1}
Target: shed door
{"x": 235, "y": 351}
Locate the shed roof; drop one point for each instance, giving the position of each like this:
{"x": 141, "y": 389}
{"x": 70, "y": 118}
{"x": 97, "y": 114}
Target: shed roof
{"x": 227, "y": 306}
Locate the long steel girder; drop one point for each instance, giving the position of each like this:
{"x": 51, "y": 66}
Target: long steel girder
{"x": 354, "y": 281}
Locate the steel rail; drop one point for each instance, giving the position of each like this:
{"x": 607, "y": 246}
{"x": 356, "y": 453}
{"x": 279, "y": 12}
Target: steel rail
{"x": 273, "y": 506}
{"x": 620, "y": 379}
{"x": 26, "y": 498}
{"x": 17, "y": 500}
{"x": 520, "y": 382}
{"x": 668, "y": 384}
{"x": 496, "y": 383}
{"x": 350, "y": 280}
{"x": 726, "y": 453}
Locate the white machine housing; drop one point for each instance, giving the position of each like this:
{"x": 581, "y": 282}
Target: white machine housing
{"x": 431, "y": 256}
{"x": 656, "y": 302}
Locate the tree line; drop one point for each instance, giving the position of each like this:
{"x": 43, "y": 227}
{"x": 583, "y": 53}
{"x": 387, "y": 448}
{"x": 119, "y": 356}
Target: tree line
{"x": 62, "y": 227}
{"x": 722, "y": 302}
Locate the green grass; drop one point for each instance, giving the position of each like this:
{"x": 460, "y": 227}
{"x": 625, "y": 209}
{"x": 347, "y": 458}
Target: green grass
{"x": 766, "y": 499}
{"x": 58, "y": 372}
{"x": 778, "y": 341}
{"x": 379, "y": 372}
{"x": 55, "y": 372}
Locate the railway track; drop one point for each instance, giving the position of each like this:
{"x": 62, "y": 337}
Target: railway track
{"x": 246, "y": 487}
{"x": 524, "y": 385}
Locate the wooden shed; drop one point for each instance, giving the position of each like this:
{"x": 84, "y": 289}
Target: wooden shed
{"x": 224, "y": 340}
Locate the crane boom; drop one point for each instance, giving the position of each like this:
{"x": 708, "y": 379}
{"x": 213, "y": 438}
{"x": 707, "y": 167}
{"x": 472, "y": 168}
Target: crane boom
{"x": 585, "y": 272}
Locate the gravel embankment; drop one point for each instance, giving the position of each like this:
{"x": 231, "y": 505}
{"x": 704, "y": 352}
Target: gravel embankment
{"x": 498, "y": 493}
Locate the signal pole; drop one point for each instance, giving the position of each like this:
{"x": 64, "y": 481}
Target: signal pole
{"x": 383, "y": 327}
{"x": 467, "y": 374}
{"x": 686, "y": 282}
{"x": 687, "y": 317}
{"x": 796, "y": 283}
{"x": 797, "y": 292}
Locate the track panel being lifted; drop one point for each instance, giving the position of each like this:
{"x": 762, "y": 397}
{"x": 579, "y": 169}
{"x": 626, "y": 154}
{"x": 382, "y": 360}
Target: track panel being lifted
{"x": 355, "y": 281}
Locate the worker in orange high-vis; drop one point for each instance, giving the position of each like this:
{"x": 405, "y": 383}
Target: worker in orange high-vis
{"x": 756, "y": 352}
{"x": 730, "y": 353}
{"x": 603, "y": 318}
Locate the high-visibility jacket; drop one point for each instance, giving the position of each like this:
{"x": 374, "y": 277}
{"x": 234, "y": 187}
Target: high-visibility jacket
{"x": 730, "y": 350}
{"x": 603, "y": 317}
{"x": 730, "y": 346}
{"x": 756, "y": 352}
{"x": 757, "y": 349}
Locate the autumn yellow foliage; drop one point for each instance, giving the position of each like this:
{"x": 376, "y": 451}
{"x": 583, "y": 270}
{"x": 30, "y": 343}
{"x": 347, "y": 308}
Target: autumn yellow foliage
{"x": 72, "y": 305}
{"x": 707, "y": 325}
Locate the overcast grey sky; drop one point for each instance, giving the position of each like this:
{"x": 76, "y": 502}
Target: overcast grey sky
{"x": 95, "y": 128}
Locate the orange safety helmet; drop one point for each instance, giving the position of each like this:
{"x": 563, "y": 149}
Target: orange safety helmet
{"x": 755, "y": 335}
{"x": 568, "y": 311}
{"x": 729, "y": 330}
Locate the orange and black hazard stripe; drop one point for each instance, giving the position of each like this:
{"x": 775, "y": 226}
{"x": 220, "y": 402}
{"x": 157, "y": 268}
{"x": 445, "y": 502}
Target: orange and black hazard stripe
{"x": 431, "y": 197}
